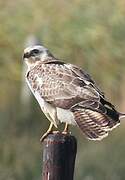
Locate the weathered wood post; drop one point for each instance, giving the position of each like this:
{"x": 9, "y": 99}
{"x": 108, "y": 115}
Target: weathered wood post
{"x": 59, "y": 153}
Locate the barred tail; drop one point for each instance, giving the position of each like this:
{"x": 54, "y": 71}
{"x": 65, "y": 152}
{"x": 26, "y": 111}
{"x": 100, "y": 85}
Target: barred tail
{"x": 93, "y": 124}
{"x": 121, "y": 115}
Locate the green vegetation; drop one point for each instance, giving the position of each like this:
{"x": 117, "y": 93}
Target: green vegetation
{"x": 88, "y": 33}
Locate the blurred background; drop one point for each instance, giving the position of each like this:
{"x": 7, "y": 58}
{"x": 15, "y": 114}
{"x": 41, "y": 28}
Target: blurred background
{"x": 88, "y": 33}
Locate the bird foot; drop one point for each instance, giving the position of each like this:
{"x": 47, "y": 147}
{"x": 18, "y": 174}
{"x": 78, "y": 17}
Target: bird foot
{"x": 55, "y": 132}
{"x": 46, "y": 134}
{"x": 66, "y": 132}
{"x": 66, "y": 129}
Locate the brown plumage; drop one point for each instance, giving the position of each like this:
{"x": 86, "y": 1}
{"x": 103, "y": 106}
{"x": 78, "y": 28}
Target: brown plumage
{"x": 66, "y": 87}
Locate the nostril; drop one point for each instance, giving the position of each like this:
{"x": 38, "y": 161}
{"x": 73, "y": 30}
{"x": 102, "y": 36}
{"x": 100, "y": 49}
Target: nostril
{"x": 26, "y": 55}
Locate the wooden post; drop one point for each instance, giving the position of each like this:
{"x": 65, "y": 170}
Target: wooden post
{"x": 59, "y": 152}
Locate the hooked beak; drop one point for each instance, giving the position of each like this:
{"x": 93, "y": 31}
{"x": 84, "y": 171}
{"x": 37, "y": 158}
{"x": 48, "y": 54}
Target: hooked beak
{"x": 26, "y": 55}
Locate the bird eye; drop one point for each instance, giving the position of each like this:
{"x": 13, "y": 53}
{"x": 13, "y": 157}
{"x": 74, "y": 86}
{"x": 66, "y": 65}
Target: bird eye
{"x": 35, "y": 51}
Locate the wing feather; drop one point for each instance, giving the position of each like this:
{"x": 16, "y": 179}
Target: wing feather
{"x": 93, "y": 124}
{"x": 60, "y": 86}
{"x": 68, "y": 87}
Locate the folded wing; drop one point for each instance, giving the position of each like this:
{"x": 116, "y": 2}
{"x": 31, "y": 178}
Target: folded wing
{"x": 68, "y": 87}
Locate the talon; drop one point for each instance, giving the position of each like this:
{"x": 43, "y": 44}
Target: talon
{"x": 44, "y": 136}
{"x": 49, "y": 131}
{"x": 56, "y": 132}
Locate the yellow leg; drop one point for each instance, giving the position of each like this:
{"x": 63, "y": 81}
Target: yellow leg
{"x": 66, "y": 128}
{"x": 47, "y": 132}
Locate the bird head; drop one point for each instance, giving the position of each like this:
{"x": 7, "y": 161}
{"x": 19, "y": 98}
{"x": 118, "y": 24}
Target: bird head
{"x": 33, "y": 54}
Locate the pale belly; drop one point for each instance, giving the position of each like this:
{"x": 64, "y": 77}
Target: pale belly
{"x": 54, "y": 115}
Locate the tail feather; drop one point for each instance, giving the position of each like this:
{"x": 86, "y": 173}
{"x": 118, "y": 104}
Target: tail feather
{"x": 93, "y": 124}
{"x": 121, "y": 115}
{"x": 96, "y": 119}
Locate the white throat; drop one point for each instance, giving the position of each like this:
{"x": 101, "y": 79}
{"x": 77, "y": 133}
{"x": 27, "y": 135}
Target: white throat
{"x": 31, "y": 65}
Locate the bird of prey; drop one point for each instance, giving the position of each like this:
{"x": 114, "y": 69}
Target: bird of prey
{"x": 67, "y": 94}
